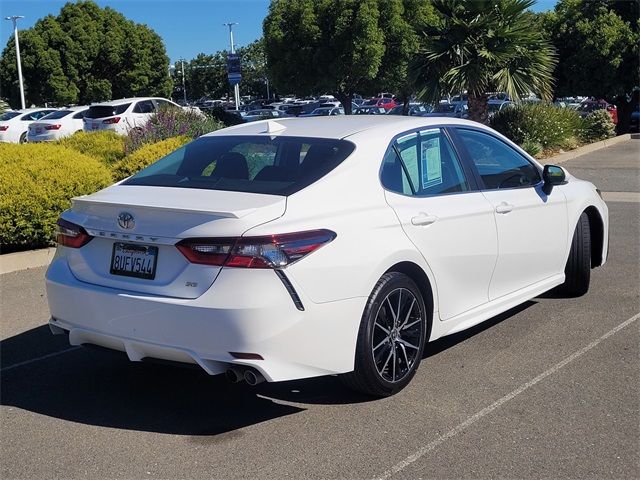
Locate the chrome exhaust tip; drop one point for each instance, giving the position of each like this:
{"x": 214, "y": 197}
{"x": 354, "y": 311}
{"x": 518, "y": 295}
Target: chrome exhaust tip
{"x": 253, "y": 377}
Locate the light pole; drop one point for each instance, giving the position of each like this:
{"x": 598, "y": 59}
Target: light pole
{"x": 184, "y": 87}
{"x": 236, "y": 87}
{"x": 14, "y": 19}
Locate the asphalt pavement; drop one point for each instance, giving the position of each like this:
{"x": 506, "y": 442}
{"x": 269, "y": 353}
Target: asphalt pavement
{"x": 548, "y": 390}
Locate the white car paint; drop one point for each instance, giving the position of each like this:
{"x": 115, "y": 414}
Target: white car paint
{"x": 56, "y": 125}
{"x": 127, "y": 113}
{"x": 479, "y": 262}
{"x": 14, "y": 125}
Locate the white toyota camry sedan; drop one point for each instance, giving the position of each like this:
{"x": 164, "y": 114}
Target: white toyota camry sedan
{"x": 294, "y": 248}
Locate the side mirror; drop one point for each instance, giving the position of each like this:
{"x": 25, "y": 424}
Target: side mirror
{"x": 552, "y": 175}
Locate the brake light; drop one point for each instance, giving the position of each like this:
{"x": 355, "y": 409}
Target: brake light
{"x": 53, "y": 127}
{"x": 111, "y": 120}
{"x": 71, "y": 235}
{"x": 4, "y": 128}
{"x": 273, "y": 251}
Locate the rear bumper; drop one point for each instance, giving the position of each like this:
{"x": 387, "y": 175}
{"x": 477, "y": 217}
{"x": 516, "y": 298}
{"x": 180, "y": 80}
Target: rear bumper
{"x": 246, "y": 311}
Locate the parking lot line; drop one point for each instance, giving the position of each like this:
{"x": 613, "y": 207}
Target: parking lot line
{"x": 33, "y": 360}
{"x": 498, "y": 403}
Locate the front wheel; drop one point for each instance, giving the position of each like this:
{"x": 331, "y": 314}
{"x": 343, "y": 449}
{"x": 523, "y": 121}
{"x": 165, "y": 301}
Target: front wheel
{"x": 391, "y": 338}
{"x": 578, "y": 268}
{"x": 23, "y": 138}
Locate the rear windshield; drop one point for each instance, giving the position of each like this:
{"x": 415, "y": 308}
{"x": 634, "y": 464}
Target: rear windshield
{"x": 101, "y": 111}
{"x": 254, "y": 164}
{"x": 56, "y": 115}
{"x": 8, "y": 115}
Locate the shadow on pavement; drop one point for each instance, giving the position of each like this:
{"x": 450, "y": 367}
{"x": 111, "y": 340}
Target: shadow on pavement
{"x": 103, "y": 388}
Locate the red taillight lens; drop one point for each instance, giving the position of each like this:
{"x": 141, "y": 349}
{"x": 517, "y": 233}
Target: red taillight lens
{"x": 111, "y": 120}
{"x": 274, "y": 251}
{"x": 71, "y": 235}
{"x": 4, "y": 128}
{"x": 53, "y": 127}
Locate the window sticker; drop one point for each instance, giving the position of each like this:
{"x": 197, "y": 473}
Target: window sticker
{"x": 431, "y": 162}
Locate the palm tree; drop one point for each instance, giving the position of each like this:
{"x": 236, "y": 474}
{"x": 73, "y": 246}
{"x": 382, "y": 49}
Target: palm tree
{"x": 481, "y": 46}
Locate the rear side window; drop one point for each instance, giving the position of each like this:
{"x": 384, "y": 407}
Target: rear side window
{"x": 499, "y": 165}
{"x": 423, "y": 164}
{"x": 254, "y": 164}
{"x": 101, "y": 111}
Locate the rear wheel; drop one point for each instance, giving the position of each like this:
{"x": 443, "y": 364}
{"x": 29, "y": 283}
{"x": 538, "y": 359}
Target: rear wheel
{"x": 23, "y": 138}
{"x": 578, "y": 268}
{"x": 391, "y": 337}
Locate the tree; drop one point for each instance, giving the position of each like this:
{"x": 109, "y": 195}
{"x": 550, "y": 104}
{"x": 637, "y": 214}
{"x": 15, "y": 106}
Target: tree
{"x": 85, "y": 54}
{"x": 324, "y": 46}
{"x": 482, "y": 46}
{"x": 598, "y": 44}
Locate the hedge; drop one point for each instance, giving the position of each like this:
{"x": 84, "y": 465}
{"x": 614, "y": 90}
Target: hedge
{"x": 146, "y": 155}
{"x": 104, "y": 145}
{"x": 598, "y": 125}
{"x": 37, "y": 182}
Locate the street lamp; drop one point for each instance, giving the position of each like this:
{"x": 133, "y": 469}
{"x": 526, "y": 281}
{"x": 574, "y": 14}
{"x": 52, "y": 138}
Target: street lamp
{"x": 236, "y": 87}
{"x": 14, "y": 19}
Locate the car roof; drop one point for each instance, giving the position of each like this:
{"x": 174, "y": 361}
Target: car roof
{"x": 126, "y": 100}
{"x": 35, "y": 109}
{"x": 340, "y": 126}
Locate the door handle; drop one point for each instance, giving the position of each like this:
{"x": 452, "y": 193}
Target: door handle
{"x": 504, "y": 207}
{"x": 423, "y": 219}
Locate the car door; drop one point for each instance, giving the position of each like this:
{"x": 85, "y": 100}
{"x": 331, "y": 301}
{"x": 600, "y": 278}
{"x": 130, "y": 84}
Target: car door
{"x": 141, "y": 113}
{"x": 532, "y": 226}
{"x": 441, "y": 211}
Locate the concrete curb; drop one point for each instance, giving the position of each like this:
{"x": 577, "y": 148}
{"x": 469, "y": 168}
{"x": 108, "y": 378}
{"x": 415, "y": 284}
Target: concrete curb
{"x": 12, "y": 262}
{"x": 592, "y": 147}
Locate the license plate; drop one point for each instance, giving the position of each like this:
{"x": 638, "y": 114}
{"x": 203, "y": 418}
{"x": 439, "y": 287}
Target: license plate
{"x": 132, "y": 260}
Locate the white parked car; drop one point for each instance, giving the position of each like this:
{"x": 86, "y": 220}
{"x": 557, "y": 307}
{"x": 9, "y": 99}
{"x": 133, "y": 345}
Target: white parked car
{"x": 294, "y": 248}
{"x": 126, "y": 114}
{"x": 57, "y": 125}
{"x": 14, "y": 124}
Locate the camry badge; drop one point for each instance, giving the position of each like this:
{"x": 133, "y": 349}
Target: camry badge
{"x": 126, "y": 221}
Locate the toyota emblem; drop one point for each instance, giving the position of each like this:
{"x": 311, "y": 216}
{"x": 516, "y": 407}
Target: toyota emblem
{"x": 126, "y": 221}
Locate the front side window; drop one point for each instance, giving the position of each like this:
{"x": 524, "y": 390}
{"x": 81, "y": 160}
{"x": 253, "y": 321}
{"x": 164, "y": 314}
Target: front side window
{"x": 254, "y": 164}
{"x": 145, "y": 106}
{"x": 423, "y": 164}
{"x": 499, "y": 165}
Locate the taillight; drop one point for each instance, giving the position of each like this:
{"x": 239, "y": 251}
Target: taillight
{"x": 71, "y": 235}
{"x": 53, "y": 127}
{"x": 273, "y": 251}
{"x": 111, "y": 120}
{"x": 4, "y": 128}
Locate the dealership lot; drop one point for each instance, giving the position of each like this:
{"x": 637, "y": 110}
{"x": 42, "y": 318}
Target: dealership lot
{"x": 547, "y": 390}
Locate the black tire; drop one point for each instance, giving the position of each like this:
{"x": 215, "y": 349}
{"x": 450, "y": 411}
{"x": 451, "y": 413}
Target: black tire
{"x": 23, "y": 138}
{"x": 371, "y": 374}
{"x": 578, "y": 268}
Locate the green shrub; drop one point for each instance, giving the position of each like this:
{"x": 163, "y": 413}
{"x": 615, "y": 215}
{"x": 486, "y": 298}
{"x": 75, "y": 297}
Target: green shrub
{"x": 539, "y": 125}
{"x": 146, "y": 155}
{"x": 37, "y": 182}
{"x": 598, "y": 125}
{"x": 104, "y": 145}
{"x": 171, "y": 122}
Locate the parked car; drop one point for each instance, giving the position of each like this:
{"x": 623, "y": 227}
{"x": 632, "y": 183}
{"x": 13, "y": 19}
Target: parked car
{"x": 305, "y": 247}
{"x": 415, "y": 109}
{"x": 386, "y": 103}
{"x": 14, "y": 124}
{"x": 57, "y": 125}
{"x": 634, "y": 124}
{"x": 126, "y": 114}
{"x": 370, "y": 110}
{"x": 263, "y": 114}
{"x": 589, "y": 106}
{"x": 324, "y": 111}
{"x": 446, "y": 109}
{"x": 494, "y": 106}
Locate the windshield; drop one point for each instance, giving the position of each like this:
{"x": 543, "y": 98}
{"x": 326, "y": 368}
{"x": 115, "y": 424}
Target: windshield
{"x": 254, "y": 164}
{"x": 56, "y": 115}
{"x": 101, "y": 111}
{"x": 9, "y": 115}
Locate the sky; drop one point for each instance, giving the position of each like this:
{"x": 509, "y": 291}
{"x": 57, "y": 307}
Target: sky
{"x": 188, "y": 27}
